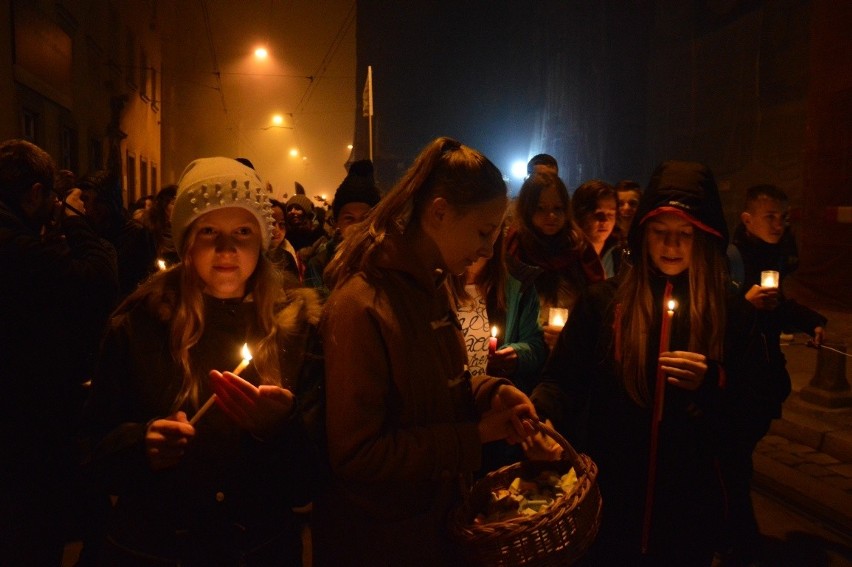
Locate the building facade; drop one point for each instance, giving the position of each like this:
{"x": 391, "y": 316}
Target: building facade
{"x": 82, "y": 80}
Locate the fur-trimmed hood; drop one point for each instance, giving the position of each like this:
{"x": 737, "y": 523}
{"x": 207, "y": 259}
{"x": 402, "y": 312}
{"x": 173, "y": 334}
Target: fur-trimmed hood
{"x": 302, "y": 305}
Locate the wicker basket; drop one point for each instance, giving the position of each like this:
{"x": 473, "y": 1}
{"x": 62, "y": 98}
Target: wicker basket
{"x": 557, "y": 536}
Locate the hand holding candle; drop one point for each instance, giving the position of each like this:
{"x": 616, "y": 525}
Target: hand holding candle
{"x": 492, "y": 341}
{"x": 246, "y": 354}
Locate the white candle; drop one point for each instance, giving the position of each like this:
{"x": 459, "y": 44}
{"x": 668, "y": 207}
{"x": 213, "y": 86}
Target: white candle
{"x": 769, "y": 278}
{"x": 246, "y": 354}
{"x": 557, "y": 316}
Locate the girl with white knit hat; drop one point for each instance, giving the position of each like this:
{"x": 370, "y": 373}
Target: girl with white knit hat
{"x": 217, "y": 488}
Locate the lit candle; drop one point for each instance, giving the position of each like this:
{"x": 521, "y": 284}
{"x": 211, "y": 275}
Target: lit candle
{"x": 557, "y": 316}
{"x": 769, "y": 278}
{"x": 492, "y": 342}
{"x": 669, "y": 306}
{"x": 666, "y": 330}
{"x": 161, "y": 264}
{"x": 246, "y": 354}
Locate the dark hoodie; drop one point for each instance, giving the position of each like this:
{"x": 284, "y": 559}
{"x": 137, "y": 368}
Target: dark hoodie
{"x": 582, "y": 391}
{"x": 684, "y": 188}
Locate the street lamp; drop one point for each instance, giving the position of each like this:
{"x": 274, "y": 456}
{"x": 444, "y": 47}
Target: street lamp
{"x": 261, "y": 53}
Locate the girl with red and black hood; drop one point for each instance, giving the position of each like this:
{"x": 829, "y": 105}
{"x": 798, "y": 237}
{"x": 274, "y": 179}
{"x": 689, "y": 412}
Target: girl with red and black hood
{"x": 655, "y": 394}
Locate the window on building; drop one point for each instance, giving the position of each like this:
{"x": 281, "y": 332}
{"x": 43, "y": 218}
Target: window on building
{"x": 96, "y": 155}
{"x": 143, "y": 176}
{"x": 29, "y": 125}
{"x": 131, "y": 178}
{"x": 143, "y": 77}
{"x": 155, "y": 98}
{"x": 130, "y": 59}
{"x": 68, "y": 148}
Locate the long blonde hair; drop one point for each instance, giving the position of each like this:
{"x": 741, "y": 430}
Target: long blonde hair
{"x": 445, "y": 168}
{"x": 708, "y": 276}
{"x": 175, "y": 297}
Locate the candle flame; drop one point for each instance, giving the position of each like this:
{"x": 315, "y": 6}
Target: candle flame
{"x": 161, "y": 264}
{"x": 494, "y": 331}
{"x": 672, "y": 305}
{"x": 245, "y": 352}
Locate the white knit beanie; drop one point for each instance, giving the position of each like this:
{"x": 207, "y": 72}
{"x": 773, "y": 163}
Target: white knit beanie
{"x": 216, "y": 182}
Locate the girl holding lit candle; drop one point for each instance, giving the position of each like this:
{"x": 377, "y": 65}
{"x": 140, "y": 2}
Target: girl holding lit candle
{"x": 406, "y": 421}
{"x": 221, "y": 490}
{"x": 653, "y": 390}
{"x": 545, "y": 241}
{"x": 493, "y": 302}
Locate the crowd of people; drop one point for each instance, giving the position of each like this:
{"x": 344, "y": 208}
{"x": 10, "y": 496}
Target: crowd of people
{"x": 217, "y": 377}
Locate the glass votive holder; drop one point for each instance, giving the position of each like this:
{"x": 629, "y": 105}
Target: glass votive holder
{"x": 557, "y": 316}
{"x": 769, "y": 279}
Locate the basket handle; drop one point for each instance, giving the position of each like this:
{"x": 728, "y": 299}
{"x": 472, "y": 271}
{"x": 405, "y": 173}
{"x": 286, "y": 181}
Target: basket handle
{"x": 567, "y": 449}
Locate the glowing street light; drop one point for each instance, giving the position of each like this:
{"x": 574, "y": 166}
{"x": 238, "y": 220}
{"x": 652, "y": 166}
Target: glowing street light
{"x": 294, "y": 152}
{"x": 519, "y": 169}
{"x": 261, "y": 53}
{"x": 278, "y": 120}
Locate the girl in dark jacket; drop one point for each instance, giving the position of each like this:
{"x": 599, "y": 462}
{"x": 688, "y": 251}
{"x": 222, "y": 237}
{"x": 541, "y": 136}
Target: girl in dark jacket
{"x": 406, "y": 421}
{"x": 220, "y": 489}
{"x": 653, "y": 394}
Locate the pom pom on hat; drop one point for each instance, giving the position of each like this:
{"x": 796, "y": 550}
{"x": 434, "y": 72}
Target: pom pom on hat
{"x": 214, "y": 183}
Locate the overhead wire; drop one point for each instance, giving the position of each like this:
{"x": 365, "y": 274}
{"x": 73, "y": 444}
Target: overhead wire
{"x": 329, "y": 56}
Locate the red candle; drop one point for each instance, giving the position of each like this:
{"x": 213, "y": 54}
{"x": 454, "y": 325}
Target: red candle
{"x": 492, "y": 342}
{"x": 669, "y": 306}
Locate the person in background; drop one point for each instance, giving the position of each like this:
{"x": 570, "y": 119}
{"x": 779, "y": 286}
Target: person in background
{"x": 138, "y": 209}
{"x": 281, "y": 253}
{"x": 628, "y": 193}
{"x": 594, "y": 207}
{"x": 135, "y": 248}
{"x": 50, "y": 285}
{"x": 405, "y": 419}
{"x": 543, "y": 163}
{"x": 354, "y": 199}
{"x": 222, "y": 490}
{"x": 656, "y": 410}
{"x": 488, "y": 296}
{"x": 544, "y": 239}
{"x": 618, "y": 255}
{"x": 300, "y": 222}
{"x": 763, "y": 241}
{"x": 157, "y": 219}
{"x": 489, "y": 299}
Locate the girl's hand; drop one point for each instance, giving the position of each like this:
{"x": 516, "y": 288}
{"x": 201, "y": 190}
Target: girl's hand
{"x": 166, "y": 440}
{"x": 684, "y": 369}
{"x": 504, "y": 362}
{"x": 257, "y": 409}
{"x": 503, "y": 421}
{"x": 763, "y": 298}
{"x": 542, "y": 447}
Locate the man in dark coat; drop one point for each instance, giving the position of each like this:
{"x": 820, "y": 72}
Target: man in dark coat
{"x": 761, "y": 242}
{"x": 56, "y": 274}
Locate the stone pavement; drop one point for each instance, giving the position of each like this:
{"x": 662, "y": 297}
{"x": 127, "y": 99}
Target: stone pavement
{"x": 806, "y": 459}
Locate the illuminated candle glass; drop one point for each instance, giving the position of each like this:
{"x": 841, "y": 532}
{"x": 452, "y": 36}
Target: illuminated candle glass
{"x": 557, "y": 316}
{"x": 492, "y": 341}
{"x": 769, "y": 278}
